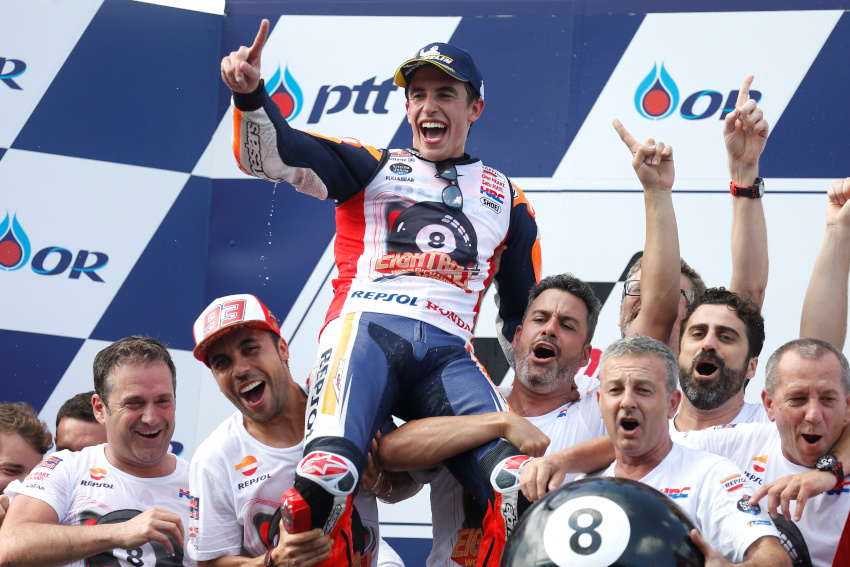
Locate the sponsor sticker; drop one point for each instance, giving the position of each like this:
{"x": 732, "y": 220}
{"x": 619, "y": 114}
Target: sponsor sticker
{"x": 49, "y": 463}
{"x": 745, "y": 506}
{"x": 733, "y": 483}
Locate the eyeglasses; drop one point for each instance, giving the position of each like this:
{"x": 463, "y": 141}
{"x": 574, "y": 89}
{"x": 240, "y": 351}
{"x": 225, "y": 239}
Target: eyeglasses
{"x": 452, "y": 196}
{"x": 632, "y": 287}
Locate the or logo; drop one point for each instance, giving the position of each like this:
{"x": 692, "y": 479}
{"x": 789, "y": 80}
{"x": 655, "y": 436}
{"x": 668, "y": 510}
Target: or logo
{"x": 248, "y": 465}
{"x": 50, "y": 261}
{"x": 14, "y": 244}
{"x": 733, "y": 483}
{"x": 759, "y": 463}
{"x": 657, "y": 96}
{"x": 49, "y": 463}
{"x": 98, "y": 474}
{"x": 286, "y": 93}
{"x": 11, "y": 69}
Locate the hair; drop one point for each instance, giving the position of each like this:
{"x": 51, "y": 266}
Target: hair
{"x": 697, "y": 285}
{"x": 78, "y": 407}
{"x": 810, "y": 349}
{"x": 20, "y": 418}
{"x": 570, "y": 284}
{"x": 127, "y": 352}
{"x": 747, "y": 311}
{"x": 641, "y": 345}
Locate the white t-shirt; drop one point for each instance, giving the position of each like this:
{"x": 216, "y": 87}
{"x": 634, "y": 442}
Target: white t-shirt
{"x": 750, "y": 413}
{"x": 85, "y": 488}
{"x": 713, "y": 492}
{"x": 454, "y": 544}
{"x": 239, "y": 482}
{"x": 757, "y": 449}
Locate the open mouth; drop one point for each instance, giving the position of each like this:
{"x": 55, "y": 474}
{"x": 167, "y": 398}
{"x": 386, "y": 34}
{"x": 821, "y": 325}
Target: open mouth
{"x": 629, "y": 423}
{"x": 432, "y": 131}
{"x": 544, "y": 352}
{"x": 253, "y": 391}
{"x": 812, "y": 439}
{"x": 149, "y": 434}
{"x": 705, "y": 368}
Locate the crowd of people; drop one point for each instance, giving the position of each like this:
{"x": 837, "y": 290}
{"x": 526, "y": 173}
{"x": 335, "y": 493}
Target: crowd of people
{"x": 421, "y": 234}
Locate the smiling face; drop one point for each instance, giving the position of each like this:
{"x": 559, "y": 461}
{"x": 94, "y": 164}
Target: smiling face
{"x": 550, "y": 344}
{"x": 139, "y": 418}
{"x": 17, "y": 458}
{"x": 438, "y": 113}
{"x": 635, "y": 407}
{"x": 250, "y": 369}
{"x": 810, "y": 406}
{"x": 713, "y": 364}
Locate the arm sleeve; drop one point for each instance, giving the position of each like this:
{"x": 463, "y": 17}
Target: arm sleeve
{"x": 723, "y": 516}
{"x": 50, "y": 485}
{"x": 216, "y": 531}
{"x": 266, "y": 146}
{"x": 519, "y": 270}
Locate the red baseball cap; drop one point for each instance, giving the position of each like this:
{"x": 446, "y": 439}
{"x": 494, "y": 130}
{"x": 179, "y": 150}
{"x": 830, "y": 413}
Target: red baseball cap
{"x": 227, "y": 314}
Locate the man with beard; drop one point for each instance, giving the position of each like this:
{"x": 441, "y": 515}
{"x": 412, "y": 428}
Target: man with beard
{"x": 745, "y": 133}
{"x": 722, "y": 337}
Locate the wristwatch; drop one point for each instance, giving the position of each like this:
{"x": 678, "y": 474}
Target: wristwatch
{"x": 755, "y": 191}
{"x": 830, "y": 463}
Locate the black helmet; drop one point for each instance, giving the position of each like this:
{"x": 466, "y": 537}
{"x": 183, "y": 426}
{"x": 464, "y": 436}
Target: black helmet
{"x": 601, "y": 522}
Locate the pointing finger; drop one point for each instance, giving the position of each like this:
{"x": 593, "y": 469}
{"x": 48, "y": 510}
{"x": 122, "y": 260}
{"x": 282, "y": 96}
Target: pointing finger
{"x": 744, "y": 93}
{"x": 260, "y": 40}
{"x": 627, "y": 138}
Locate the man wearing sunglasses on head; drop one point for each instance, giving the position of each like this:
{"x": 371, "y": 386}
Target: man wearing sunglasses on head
{"x": 421, "y": 232}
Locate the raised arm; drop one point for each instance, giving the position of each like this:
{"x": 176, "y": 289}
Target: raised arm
{"x": 31, "y": 523}
{"x": 425, "y": 443}
{"x": 745, "y": 132}
{"x": 240, "y": 70}
{"x": 660, "y": 267}
{"x": 825, "y": 307}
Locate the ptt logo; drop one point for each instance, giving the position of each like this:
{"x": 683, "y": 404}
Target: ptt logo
{"x": 285, "y": 91}
{"x": 657, "y": 97}
{"x": 98, "y": 474}
{"x": 15, "y": 250}
{"x": 248, "y": 465}
{"x": 675, "y": 493}
{"x": 11, "y": 69}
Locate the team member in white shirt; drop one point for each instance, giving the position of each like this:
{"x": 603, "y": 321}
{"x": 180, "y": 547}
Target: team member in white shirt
{"x": 126, "y": 502}
{"x": 807, "y": 394}
{"x": 241, "y": 471}
{"x": 637, "y": 397}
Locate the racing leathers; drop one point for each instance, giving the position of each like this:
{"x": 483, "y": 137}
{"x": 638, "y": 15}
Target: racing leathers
{"x": 413, "y": 267}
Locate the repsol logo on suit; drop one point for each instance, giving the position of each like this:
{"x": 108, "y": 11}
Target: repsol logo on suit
{"x": 320, "y": 377}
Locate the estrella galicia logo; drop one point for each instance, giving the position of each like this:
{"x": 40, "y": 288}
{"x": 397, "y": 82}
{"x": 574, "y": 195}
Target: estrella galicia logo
{"x": 286, "y": 93}
{"x": 657, "y": 96}
{"x": 15, "y": 251}
{"x": 14, "y": 245}
{"x": 11, "y": 69}
{"x": 401, "y": 168}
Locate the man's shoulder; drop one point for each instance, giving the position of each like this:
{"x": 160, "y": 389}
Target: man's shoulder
{"x": 222, "y": 439}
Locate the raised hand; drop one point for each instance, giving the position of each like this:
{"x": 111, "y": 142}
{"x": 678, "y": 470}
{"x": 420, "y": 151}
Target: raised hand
{"x": 836, "y": 213}
{"x": 240, "y": 70}
{"x": 745, "y": 132}
{"x": 653, "y": 162}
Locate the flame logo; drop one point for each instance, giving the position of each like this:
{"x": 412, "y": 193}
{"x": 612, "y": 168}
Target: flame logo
{"x": 286, "y": 93}
{"x": 14, "y": 245}
{"x": 657, "y": 96}
{"x": 97, "y": 474}
{"x": 248, "y": 465}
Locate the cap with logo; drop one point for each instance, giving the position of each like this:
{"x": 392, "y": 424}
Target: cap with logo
{"x": 453, "y": 60}
{"x": 228, "y": 314}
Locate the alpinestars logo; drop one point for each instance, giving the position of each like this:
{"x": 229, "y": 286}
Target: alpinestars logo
{"x": 505, "y": 477}
{"x": 334, "y": 473}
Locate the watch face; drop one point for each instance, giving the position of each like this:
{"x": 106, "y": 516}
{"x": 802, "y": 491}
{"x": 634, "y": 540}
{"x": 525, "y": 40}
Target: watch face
{"x": 758, "y": 187}
{"x": 827, "y": 462}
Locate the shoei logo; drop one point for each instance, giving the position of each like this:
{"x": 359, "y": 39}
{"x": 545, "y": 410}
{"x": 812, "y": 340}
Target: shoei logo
{"x": 97, "y": 474}
{"x": 50, "y": 261}
{"x": 286, "y": 93}
{"x": 657, "y": 97}
{"x": 11, "y": 69}
{"x": 248, "y": 465}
